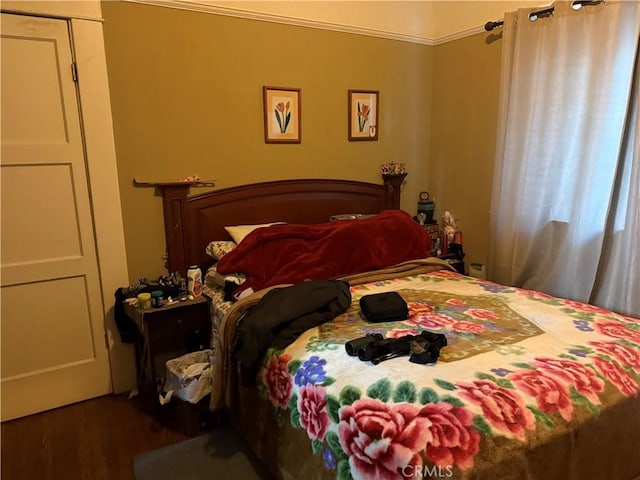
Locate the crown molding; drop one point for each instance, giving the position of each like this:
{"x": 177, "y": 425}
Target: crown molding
{"x": 196, "y": 6}
{"x": 457, "y": 36}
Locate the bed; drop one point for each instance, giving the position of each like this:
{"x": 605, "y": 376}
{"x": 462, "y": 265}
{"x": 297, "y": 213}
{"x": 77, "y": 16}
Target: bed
{"x": 528, "y": 386}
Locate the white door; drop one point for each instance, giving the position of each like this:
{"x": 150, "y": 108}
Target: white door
{"x": 52, "y": 321}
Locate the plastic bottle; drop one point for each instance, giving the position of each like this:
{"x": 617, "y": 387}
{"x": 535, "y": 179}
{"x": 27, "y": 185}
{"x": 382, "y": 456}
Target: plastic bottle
{"x": 156, "y": 298}
{"x": 194, "y": 281}
{"x": 144, "y": 300}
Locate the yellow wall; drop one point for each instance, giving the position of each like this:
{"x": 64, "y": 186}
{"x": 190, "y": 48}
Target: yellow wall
{"x": 186, "y": 91}
{"x": 466, "y": 83}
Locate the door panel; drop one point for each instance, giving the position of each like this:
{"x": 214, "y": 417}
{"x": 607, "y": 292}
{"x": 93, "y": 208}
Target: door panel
{"x": 53, "y": 350}
{"x": 34, "y": 236}
{"x": 38, "y": 95}
{"x": 64, "y": 299}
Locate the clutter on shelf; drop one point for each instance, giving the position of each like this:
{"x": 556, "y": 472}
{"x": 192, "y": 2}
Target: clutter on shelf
{"x": 394, "y": 168}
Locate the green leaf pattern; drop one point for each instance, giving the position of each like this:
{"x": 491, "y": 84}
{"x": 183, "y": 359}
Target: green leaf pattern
{"x": 349, "y": 394}
{"x": 405, "y": 392}
{"x": 380, "y": 390}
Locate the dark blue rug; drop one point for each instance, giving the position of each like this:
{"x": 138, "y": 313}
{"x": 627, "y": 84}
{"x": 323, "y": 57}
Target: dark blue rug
{"x": 219, "y": 454}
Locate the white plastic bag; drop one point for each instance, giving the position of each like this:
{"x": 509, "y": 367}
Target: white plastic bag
{"x": 189, "y": 377}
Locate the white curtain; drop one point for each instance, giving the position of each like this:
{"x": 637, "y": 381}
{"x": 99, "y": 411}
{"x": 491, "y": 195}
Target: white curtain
{"x": 618, "y": 280}
{"x": 564, "y": 211}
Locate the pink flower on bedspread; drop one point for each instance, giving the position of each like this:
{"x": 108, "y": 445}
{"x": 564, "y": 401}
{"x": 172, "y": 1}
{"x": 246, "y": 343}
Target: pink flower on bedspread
{"x": 380, "y": 439}
{"x": 535, "y": 294}
{"x": 312, "y": 405}
{"x": 278, "y": 380}
{"x": 431, "y": 321}
{"x": 573, "y": 373}
{"x": 456, "y": 302}
{"x": 503, "y": 408}
{"x": 625, "y": 355}
{"x": 401, "y": 332}
{"x": 482, "y": 314}
{"x": 611, "y": 328}
{"x": 630, "y": 319}
{"x": 467, "y": 327}
{"x": 454, "y": 440}
{"x": 585, "y": 307}
{"x": 445, "y": 274}
{"x": 616, "y": 375}
{"x": 417, "y": 308}
{"x": 551, "y": 394}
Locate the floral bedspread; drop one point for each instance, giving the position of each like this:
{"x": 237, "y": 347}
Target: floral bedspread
{"x": 218, "y": 308}
{"x": 521, "y": 368}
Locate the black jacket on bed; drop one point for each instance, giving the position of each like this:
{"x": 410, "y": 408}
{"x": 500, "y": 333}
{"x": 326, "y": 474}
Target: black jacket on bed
{"x": 283, "y": 314}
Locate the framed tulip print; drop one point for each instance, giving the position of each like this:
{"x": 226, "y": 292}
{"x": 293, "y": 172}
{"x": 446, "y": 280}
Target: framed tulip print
{"x": 282, "y": 115}
{"x": 363, "y": 115}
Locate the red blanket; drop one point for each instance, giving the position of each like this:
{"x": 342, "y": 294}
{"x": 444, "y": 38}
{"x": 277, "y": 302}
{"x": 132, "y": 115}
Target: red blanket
{"x": 293, "y": 253}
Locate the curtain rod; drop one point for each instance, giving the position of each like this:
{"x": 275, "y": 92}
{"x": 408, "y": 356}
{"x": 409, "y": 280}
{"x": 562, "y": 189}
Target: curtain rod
{"x": 576, "y": 5}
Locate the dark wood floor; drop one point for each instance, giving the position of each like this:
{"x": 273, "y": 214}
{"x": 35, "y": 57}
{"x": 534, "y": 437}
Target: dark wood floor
{"x": 96, "y": 439}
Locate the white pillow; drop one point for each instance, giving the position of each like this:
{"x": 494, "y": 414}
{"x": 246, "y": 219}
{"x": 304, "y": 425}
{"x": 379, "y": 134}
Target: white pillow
{"x": 238, "y": 232}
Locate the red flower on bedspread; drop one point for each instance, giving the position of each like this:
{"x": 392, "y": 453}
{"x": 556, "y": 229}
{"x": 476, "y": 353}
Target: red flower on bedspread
{"x": 550, "y": 393}
{"x": 624, "y": 355}
{"x": 630, "y": 319}
{"x": 585, "y": 307}
{"x": 482, "y": 314}
{"x": 417, "y": 308}
{"x": 453, "y": 440}
{"x": 503, "y": 408}
{"x": 535, "y": 294}
{"x": 467, "y": 327}
{"x": 456, "y": 302}
{"x": 278, "y": 380}
{"x": 611, "y": 328}
{"x": 573, "y": 373}
{"x": 446, "y": 274}
{"x": 431, "y": 321}
{"x": 312, "y": 405}
{"x": 616, "y": 375}
{"x": 380, "y": 439}
{"x": 401, "y": 332}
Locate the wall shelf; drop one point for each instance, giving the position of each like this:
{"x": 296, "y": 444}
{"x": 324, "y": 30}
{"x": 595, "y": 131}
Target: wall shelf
{"x": 174, "y": 183}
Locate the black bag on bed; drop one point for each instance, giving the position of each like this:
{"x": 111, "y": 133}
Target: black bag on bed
{"x": 384, "y": 307}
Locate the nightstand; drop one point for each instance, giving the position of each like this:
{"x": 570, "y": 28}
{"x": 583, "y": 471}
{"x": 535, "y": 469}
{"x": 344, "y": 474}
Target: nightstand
{"x": 455, "y": 257}
{"x": 455, "y": 261}
{"x": 165, "y": 333}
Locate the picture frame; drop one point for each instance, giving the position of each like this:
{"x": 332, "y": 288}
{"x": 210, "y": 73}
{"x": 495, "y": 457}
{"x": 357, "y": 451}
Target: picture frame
{"x": 282, "y": 115}
{"x": 363, "y": 115}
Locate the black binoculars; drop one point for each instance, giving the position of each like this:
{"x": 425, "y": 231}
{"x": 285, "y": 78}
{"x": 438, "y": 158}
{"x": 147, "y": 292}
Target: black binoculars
{"x": 423, "y": 348}
{"x": 353, "y": 347}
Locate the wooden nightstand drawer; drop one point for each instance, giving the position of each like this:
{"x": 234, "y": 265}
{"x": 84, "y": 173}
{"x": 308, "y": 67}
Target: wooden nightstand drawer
{"x": 179, "y": 326}
{"x": 166, "y": 333}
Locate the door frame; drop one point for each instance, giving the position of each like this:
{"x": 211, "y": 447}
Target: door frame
{"x": 87, "y": 43}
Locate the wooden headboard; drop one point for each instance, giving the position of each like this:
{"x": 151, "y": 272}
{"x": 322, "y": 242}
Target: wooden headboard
{"x": 191, "y": 222}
